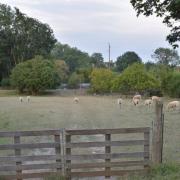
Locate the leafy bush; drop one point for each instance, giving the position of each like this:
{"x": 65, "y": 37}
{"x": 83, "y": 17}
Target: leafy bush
{"x": 34, "y": 75}
{"x": 101, "y": 80}
{"x": 5, "y": 82}
{"x": 135, "y": 78}
{"x": 171, "y": 85}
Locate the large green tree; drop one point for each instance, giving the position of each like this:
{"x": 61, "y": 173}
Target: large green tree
{"x": 128, "y": 58}
{"x": 35, "y": 75}
{"x": 135, "y": 79}
{"x": 101, "y": 80}
{"x": 97, "y": 60}
{"x": 166, "y": 56}
{"x": 168, "y": 9}
{"x": 73, "y": 57}
{"x": 21, "y": 38}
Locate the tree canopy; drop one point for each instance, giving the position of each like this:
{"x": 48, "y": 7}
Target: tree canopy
{"x": 168, "y": 9}
{"x": 21, "y": 38}
{"x": 101, "y": 80}
{"x": 166, "y": 56}
{"x": 35, "y": 75}
{"x": 97, "y": 60}
{"x": 135, "y": 79}
{"x": 128, "y": 58}
{"x": 73, "y": 57}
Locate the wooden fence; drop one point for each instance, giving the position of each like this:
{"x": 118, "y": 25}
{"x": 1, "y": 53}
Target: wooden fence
{"x": 76, "y": 153}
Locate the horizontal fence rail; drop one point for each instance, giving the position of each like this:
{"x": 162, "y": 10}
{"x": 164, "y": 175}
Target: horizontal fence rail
{"x": 74, "y": 153}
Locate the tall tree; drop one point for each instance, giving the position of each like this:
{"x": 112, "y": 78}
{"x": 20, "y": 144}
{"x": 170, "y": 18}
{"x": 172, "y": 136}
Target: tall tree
{"x": 21, "y": 38}
{"x": 166, "y": 56}
{"x": 73, "y": 57}
{"x": 127, "y": 59}
{"x": 97, "y": 60}
{"x": 168, "y": 9}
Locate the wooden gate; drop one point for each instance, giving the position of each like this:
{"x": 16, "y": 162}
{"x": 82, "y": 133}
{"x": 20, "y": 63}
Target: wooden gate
{"x": 33, "y": 159}
{"x": 74, "y": 153}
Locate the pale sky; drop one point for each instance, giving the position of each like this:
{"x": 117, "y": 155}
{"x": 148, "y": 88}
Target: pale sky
{"x": 90, "y": 25}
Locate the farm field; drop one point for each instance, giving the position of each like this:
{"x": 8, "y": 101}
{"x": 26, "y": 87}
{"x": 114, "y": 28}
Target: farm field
{"x": 53, "y": 112}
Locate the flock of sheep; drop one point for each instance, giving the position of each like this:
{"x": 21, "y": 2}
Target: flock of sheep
{"x": 135, "y": 100}
{"x": 148, "y": 102}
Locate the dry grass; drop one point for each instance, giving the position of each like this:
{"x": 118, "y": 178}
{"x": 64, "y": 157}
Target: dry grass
{"x": 91, "y": 112}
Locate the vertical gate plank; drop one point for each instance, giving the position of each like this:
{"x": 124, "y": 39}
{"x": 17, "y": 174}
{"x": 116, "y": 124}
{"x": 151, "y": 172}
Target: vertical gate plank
{"x": 107, "y": 151}
{"x": 58, "y": 150}
{"x": 68, "y": 162}
{"x": 17, "y": 152}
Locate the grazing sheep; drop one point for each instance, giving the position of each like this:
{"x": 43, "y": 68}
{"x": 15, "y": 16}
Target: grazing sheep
{"x": 119, "y": 101}
{"x": 173, "y": 105}
{"x": 148, "y": 102}
{"x": 137, "y": 97}
{"x": 28, "y": 98}
{"x": 155, "y": 98}
{"x": 76, "y": 100}
{"x": 135, "y": 101}
{"x": 21, "y": 99}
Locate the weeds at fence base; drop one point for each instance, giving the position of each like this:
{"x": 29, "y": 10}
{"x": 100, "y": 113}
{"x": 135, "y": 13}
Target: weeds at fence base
{"x": 159, "y": 172}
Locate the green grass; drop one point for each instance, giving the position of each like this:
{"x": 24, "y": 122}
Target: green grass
{"x": 53, "y": 112}
{"x": 160, "y": 172}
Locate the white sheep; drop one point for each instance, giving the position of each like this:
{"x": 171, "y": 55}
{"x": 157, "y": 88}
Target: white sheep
{"x": 137, "y": 97}
{"x": 21, "y": 99}
{"x": 135, "y": 101}
{"x": 76, "y": 100}
{"x": 155, "y": 98}
{"x": 173, "y": 105}
{"x": 148, "y": 102}
{"x": 119, "y": 101}
{"x": 28, "y": 98}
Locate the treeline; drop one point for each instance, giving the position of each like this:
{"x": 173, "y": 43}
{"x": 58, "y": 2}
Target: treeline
{"x": 32, "y": 60}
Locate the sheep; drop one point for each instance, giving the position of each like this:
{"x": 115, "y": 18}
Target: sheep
{"x": 155, "y": 98}
{"x": 28, "y": 98}
{"x": 137, "y": 97}
{"x": 173, "y": 105}
{"x": 148, "y": 102}
{"x": 135, "y": 101}
{"x": 21, "y": 99}
{"x": 76, "y": 100}
{"x": 119, "y": 101}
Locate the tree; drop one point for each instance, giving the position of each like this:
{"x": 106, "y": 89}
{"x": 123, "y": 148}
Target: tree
{"x": 127, "y": 59}
{"x": 97, "y": 60}
{"x": 34, "y": 75}
{"x": 73, "y": 57}
{"x": 21, "y": 38}
{"x": 135, "y": 79}
{"x": 166, "y": 56}
{"x": 101, "y": 80}
{"x": 168, "y": 9}
{"x": 62, "y": 70}
{"x": 171, "y": 84}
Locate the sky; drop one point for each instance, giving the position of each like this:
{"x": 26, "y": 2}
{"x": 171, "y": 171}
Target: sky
{"x": 90, "y": 25}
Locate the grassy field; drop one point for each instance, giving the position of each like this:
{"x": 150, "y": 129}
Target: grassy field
{"x": 91, "y": 112}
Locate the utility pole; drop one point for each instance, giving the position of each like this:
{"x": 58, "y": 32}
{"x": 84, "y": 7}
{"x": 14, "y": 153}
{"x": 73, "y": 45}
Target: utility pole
{"x": 109, "y": 54}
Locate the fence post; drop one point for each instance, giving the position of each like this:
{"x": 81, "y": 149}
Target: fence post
{"x": 68, "y": 162}
{"x": 157, "y": 136}
{"x": 58, "y": 152}
{"x": 146, "y": 147}
{"x": 107, "y": 152}
{"x": 17, "y": 152}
